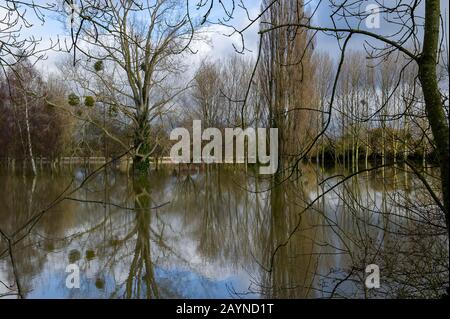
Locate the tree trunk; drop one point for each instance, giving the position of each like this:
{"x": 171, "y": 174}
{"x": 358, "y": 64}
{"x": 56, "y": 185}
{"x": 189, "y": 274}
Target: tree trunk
{"x": 433, "y": 103}
{"x": 30, "y": 148}
{"x": 141, "y": 161}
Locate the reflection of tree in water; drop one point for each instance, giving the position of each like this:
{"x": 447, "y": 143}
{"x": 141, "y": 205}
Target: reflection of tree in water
{"x": 224, "y": 222}
{"x": 141, "y": 268}
{"x": 85, "y": 231}
{"x": 383, "y": 218}
{"x": 22, "y": 197}
{"x": 238, "y": 224}
{"x": 208, "y": 204}
{"x": 145, "y": 234}
{"x": 292, "y": 270}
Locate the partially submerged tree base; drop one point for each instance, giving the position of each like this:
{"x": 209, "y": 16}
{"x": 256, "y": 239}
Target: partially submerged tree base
{"x": 141, "y": 166}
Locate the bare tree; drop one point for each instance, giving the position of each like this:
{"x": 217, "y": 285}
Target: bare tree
{"x": 133, "y": 49}
{"x": 15, "y": 18}
{"x": 207, "y": 95}
{"x": 425, "y": 53}
{"x": 417, "y": 37}
{"x": 286, "y": 78}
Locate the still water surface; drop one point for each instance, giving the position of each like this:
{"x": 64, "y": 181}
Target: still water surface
{"x": 194, "y": 234}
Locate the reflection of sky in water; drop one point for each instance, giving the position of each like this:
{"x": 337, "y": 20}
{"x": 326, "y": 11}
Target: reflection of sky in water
{"x": 180, "y": 271}
{"x": 206, "y": 243}
{"x": 201, "y": 280}
{"x": 188, "y": 284}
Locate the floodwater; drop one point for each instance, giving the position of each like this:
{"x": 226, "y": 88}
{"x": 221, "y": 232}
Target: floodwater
{"x": 216, "y": 234}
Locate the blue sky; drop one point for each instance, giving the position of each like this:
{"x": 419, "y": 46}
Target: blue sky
{"x": 218, "y": 44}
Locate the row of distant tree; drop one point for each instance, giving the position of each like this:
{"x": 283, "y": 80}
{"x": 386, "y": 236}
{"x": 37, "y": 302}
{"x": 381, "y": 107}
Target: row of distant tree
{"x": 128, "y": 89}
{"x": 43, "y": 117}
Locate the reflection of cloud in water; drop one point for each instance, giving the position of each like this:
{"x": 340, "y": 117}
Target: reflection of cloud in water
{"x": 173, "y": 283}
{"x": 206, "y": 243}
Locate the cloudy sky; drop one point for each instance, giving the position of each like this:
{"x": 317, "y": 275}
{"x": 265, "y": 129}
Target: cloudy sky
{"x": 218, "y": 44}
